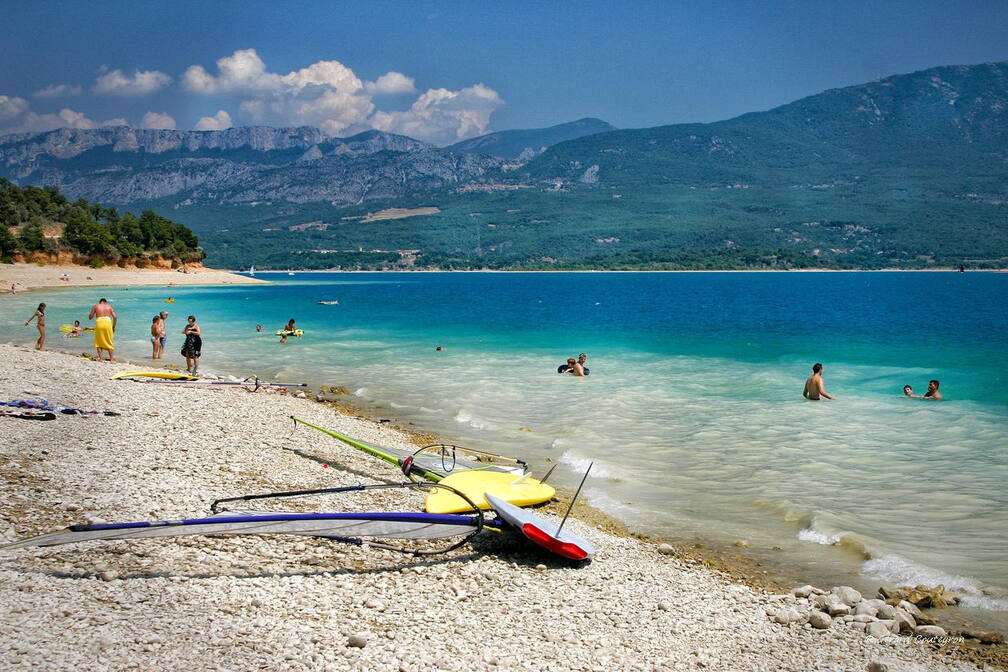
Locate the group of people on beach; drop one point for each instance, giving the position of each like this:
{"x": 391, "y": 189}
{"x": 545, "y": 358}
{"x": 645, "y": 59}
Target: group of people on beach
{"x": 574, "y": 367}
{"x": 815, "y": 388}
{"x": 106, "y": 322}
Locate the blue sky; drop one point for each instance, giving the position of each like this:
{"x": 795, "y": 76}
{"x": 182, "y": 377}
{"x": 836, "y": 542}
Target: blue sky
{"x": 443, "y": 71}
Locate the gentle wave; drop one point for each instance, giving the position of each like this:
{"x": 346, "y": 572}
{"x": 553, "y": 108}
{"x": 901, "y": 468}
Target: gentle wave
{"x": 579, "y": 465}
{"x": 896, "y": 570}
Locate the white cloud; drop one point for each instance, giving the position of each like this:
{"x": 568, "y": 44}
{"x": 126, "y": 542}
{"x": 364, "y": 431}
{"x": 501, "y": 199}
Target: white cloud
{"x": 140, "y": 83}
{"x": 58, "y": 91}
{"x": 157, "y": 120}
{"x": 329, "y": 95}
{"x": 241, "y": 72}
{"x": 12, "y": 107}
{"x": 390, "y": 83}
{"x": 441, "y": 116}
{"x": 217, "y": 122}
{"x": 16, "y": 116}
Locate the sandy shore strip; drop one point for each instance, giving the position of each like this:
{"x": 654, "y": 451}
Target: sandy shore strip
{"x": 309, "y": 604}
{"x": 33, "y": 276}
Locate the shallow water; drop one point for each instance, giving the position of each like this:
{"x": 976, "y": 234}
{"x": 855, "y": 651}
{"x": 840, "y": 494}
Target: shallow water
{"x": 692, "y": 413}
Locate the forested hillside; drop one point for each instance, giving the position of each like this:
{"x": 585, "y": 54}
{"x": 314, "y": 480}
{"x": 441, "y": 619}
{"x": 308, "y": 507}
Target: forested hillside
{"x": 42, "y": 220}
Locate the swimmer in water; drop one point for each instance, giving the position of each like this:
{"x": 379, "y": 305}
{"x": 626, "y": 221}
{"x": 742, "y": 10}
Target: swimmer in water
{"x": 932, "y": 391}
{"x": 815, "y": 389}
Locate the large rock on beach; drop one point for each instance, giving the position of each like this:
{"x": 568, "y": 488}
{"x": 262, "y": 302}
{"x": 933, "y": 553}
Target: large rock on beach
{"x": 865, "y": 608}
{"x": 846, "y": 595}
{"x": 885, "y": 611}
{"x": 882, "y": 629}
{"x": 919, "y": 616}
{"x": 788, "y": 615}
{"x": 838, "y": 608}
{"x": 906, "y": 622}
{"x": 820, "y": 620}
{"x": 929, "y": 631}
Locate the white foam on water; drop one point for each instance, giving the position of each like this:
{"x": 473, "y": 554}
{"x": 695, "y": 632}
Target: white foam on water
{"x": 817, "y": 537}
{"x": 360, "y": 391}
{"x": 897, "y": 570}
{"x": 579, "y": 464}
{"x": 464, "y": 418}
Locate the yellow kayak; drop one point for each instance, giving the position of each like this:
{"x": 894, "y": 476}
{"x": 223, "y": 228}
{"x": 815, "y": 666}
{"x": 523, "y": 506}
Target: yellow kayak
{"x": 169, "y": 375}
{"x": 475, "y": 484}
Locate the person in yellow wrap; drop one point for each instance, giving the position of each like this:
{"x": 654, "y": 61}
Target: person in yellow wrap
{"x": 105, "y": 323}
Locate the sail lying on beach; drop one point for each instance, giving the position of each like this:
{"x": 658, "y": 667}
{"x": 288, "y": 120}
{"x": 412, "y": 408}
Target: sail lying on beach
{"x": 353, "y": 527}
{"x": 359, "y": 528}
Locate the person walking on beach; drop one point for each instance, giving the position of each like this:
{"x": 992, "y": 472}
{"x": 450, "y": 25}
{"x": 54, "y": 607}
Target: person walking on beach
{"x": 932, "y": 391}
{"x": 193, "y": 344}
{"x": 163, "y": 338}
{"x": 105, "y": 324}
{"x": 39, "y": 315}
{"x": 815, "y": 389}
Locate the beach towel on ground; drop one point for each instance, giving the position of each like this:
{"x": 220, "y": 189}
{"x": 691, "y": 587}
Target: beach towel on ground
{"x": 103, "y": 335}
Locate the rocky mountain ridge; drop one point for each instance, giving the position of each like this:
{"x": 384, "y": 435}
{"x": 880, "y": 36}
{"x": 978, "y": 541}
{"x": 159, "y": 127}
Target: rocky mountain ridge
{"x": 123, "y": 165}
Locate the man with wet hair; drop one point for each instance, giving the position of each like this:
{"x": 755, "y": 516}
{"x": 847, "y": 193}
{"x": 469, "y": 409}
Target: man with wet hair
{"x": 932, "y": 391}
{"x": 815, "y": 389}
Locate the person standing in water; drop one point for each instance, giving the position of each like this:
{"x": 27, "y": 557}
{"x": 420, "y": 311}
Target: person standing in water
{"x": 193, "y": 345}
{"x": 815, "y": 389}
{"x": 39, "y": 315}
{"x": 105, "y": 323}
{"x": 163, "y": 333}
{"x": 155, "y": 336}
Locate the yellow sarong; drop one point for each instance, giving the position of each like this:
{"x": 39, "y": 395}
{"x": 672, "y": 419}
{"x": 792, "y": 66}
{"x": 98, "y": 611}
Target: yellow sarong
{"x": 103, "y": 336}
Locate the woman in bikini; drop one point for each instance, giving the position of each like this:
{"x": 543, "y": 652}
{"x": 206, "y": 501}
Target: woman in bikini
{"x": 40, "y": 316}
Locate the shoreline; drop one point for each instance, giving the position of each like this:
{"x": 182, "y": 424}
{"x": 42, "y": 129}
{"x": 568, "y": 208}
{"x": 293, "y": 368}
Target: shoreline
{"x": 29, "y": 277}
{"x": 733, "y": 565}
{"x": 606, "y": 270}
{"x": 144, "y": 601}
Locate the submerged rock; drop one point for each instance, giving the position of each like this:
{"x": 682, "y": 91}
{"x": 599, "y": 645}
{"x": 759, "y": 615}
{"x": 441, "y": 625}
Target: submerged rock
{"x": 985, "y": 636}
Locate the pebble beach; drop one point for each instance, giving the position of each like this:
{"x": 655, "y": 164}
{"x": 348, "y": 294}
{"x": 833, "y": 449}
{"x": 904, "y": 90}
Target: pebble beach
{"x": 256, "y": 603}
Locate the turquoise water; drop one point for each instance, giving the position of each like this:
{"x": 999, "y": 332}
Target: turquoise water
{"x": 692, "y": 413}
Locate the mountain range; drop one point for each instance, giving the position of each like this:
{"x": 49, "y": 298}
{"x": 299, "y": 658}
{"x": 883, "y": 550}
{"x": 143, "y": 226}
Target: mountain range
{"x": 908, "y": 170}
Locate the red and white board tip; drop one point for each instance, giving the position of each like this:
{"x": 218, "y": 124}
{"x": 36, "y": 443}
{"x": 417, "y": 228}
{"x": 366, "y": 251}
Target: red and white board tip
{"x": 540, "y": 531}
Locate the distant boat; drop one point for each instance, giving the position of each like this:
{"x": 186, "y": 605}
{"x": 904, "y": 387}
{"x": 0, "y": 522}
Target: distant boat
{"x": 290, "y": 272}
{"x": 327, "y": 303}
{"x": 251, "y": 270}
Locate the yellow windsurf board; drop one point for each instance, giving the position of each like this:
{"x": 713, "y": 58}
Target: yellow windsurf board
{"x": 475, "y": 483}
{"x": 168, "y": 375}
